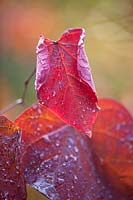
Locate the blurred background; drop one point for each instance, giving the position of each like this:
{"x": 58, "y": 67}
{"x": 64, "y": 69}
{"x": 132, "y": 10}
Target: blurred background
{"x": 108, "y": 43}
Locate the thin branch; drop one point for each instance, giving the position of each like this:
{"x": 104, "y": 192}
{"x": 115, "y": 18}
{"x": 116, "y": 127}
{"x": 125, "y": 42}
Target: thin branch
{"x": 12, "y": 105}
{"x": 26, "y": 83}
{"x": 21, "y": 100}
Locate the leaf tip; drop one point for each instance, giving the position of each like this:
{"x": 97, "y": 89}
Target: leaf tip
{"x": 82, "y": 36}
{"x": 40, "y": 44}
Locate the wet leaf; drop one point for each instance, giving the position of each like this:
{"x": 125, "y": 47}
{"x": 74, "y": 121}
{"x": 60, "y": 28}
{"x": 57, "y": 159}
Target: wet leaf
{"x": 113, "y": 145}
{"x": 58, "y": 163}
{"x": 35, "y": 122}
{"x": 12, "y": 185}
{"x": 64, "y": 81}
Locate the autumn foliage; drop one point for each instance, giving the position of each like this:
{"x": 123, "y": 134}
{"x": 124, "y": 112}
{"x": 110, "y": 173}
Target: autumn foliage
{"x": 63, "y": 75}
{"x": 47, "y": 146}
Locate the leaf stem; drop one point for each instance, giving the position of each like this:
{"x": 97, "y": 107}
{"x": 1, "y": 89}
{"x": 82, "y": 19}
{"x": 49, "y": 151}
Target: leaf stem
{"x": 21, "y": 100}
{"x": 26, "y": 83}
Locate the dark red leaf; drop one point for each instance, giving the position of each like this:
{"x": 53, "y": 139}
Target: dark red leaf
{"x": 64, "y": 81}
{"x": 58, "y": 160}
{"x": 113, "y": 144}
{"x": 12, "y": 185}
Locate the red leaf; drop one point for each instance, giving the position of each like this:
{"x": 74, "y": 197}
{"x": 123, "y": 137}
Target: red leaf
{"x": 35, "y": 122}
{"x": 113, "y": 144}
{"x": 63, "y": 79}
{"x": 12, "y": 186}
{"x": 58, "y": 161}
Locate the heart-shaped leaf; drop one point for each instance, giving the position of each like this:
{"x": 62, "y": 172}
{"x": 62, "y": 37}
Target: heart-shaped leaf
{"x": 12, "y": 185}
{"x": 64, "y": 81}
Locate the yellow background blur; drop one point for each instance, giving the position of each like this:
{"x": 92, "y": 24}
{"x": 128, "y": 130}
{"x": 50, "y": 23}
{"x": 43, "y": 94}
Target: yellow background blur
{"x": 108, "y": 43}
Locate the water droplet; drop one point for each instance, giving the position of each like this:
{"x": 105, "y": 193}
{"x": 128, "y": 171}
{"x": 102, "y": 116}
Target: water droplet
{"x": 92, "y": 187}
{"x": 37, "y": 170}
{"x": 38, "y": 129}
{"x": 60, "y": 83}
{"x": 64, "y": 164}
{"x": 98, "y": 181}
{"x": 60, "y": 180}
{"x": 72, "y": 187}
{"x": 42, "y": 155}
{"x": 50, "y": 126}
{"x": 46, "y": 166}
{"x": 26, "y": 170}
{"x": 66, "y": 157}
{"x": 71, "y": 140}
{"x": 82, "y": 117}
{"x": 17, "y": 167}
{"x": 39, "y": 111}
{"x": 57, "y": 144}
{"x": 76, "y": 149}
{"x": 7, "y": 162}
{"x": 74, "y": 123}
{"x": 56, "y": 157}
{"x": 18, "y": 186}
{"x": 73, "y": 157}
{"x": 69, "y": 146}
{"x": 75, "y": 178}
{"x": 89, "y": 134}
{"x": 54, "y": 93}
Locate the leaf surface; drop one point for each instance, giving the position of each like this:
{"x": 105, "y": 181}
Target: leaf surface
{"x": 113, "y": 145}
{"x": 35, "y": 122}
{"x": 58, "y": 163}
{"x": 12, "y": 185}
{"x": 64, "y": 81}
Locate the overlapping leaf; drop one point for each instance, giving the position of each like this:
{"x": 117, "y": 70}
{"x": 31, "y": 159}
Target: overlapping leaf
{"x": 58, "y": 163}
{"x": 113, "y": 144}
{"x": 63, "y": 79}
{"x": 12, "y": 185}
{"x": 35, "y": 123}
